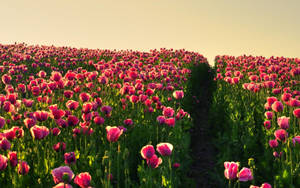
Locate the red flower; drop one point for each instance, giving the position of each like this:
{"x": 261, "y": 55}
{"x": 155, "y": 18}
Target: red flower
{"x": 147, "y": 151}
{"x": 70, "y": 158}
{"x": 3, "y": 162}
{"x": 39, "y": 132}
{"x": 154, "y": 161}
{"x": 61, "y": 171}
{"x": 23, "y": 168}
{"x": 13, "y": 158}
{"x": 83, "y": 180}
{"x": 72, "y": 105}
{"x": 281, "y": 135}
{"x": 165, "y": 149}
{"x": 231, "y": 170}
{"x": 113, "y": 133}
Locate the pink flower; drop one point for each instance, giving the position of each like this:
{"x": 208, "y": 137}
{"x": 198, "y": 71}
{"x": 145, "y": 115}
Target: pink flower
{"x": 83, "y": 180}
{"x": 170, "y": 122}
{"x": 231, "y": 170}
{"x": 265, "y": 185}
{"x": 176, "y": 165}
{"x": 72, "y": 120}
{"x": 99, "y": 120}
{"x": 84, "y": 97}
{"x": 281, "y": 135}
{"x": 41, "y": 115}
{"x": 273, "y": 143}
{"x": 160, "y": 119}
{"x": 296, "y": 139}
{"x": 13, "y": 158}
{"x": 267, "y": 124}
{"x": 60, "y": 146}
{"x": 3, "y": 162}
{"x": 277, "y": 106}
{"x": 70, "y": 158}
{"x": 72, "y": 105}
{"x": 5, "y": 144}
{"x": 62, "y": 185}
{"x": 154, "y": 161}
{"x": 23, "y": 168}
{"x": 168, "y": 112}
{"x": 2, "y": 122}
{"x": 147, "y": 151}
{"x": 269, "y": 114}
{"x": 178, "y": 94}
{"x": 296, "y": 113}
{"x": 39, "y": 132}
{"x": 113, "y": 133}
{"x": 245, "y": 174}
{"x": 61, "y": 171}
{"x": 283, "y": 122}
{"x": 165, "y": 149}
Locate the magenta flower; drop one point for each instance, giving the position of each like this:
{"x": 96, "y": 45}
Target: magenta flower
{"x": 61, "y": 171}
{"x": 154, "y": 161}
{"x": 147, "y": 151}
{"x": 179, "y": 94}
{"x": 23, "y": 168}
{"x": 62, "y": 185}
{"x": 41, "y": 115}
{"x": 83, "y": 180}
{"x": 4, "y": 144}
{"x": 13, "y": 158}
{"x": 70, "y": 158}
{"x": 113, "y": 133}
{"x": 84, "y": 97}
{"x": 269, "y": 115}
{"x": 296, "y": 113}
{"x": 281, "y": 135}
{"x": 165, "y": 149}
{"x": 161, "y": 119}
{"x": 170, "y": 122}
{"x": 72, "y": 105}
{"x": 72, "y": 120}
{"x": 99, "y": 120}
{"x": 277, "y": 106}
{"x": 231, "y": 170}
{"x": 2, "y": 122}
{"x": 39, "y": 132}
{"x": 245, "y": 174}
{"x": 267, "y": 124}
{"x": 273, "y": 143}
{"x": 3, "y": 162}
{"x": 265, "y": 185}
{"x": 296, "y": 139}
{"x": 168, "y": 112}
{"x": 283, "y": 122}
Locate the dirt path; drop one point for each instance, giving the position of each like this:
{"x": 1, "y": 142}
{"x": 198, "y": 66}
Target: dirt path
{"x": 203, "y": 151}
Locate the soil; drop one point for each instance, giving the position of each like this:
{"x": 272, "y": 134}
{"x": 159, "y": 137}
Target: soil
{"x": 203, "y": 151}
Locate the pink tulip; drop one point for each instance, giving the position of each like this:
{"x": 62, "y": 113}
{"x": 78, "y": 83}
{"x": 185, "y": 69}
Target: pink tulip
{"x": 23, "y": 168}
{"x": 154, "y": 161}
{"x": 281, "y": 135}
{"x": 168, "y": 112}
{"x": 83, "y": 180}
{"x": 296, "y": 113}
{"x": 296, "y": 139}
{"x": 2, "y": 122}
{"x": 273, "y": 143}
{"x": 61, "y": 171}
{"x": 178, "y": 94}
{"x": 283, "y": 122}
{"x": 113, "y": 133}
{"x": 231, "y": 170}
{"x": 245, "y": 174}
{"x": 13, "y": 158}
{"x": 3, "y": 162}
{"x": 39, "y": 132}
{"x": 265, "y": 185}
{"x": 147, "y": 151}
{"x": 165, "y": 149}
{"x": 267, "y": 124}
{"x": 70, "y": 158}
{"x": 4, "y": 144}
{"x": 269, "y": 115}
{"x": 277, "y": 106}
{"x": 62, "y": 185}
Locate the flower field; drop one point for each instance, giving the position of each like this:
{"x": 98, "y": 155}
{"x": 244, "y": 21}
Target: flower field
{"x": 106, "y": 118}
{"x": 94, "y": 118}
{"x": 255, "y": 116}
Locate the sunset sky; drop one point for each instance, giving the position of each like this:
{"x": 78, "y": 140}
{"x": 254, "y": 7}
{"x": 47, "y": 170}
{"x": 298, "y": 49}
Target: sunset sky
{"x": 211, "y": 27}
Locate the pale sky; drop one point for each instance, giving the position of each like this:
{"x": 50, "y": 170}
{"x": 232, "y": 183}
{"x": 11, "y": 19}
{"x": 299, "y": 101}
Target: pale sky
{"x": 211, "y": 27}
